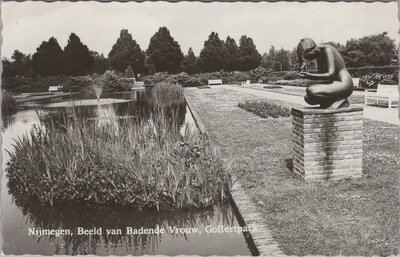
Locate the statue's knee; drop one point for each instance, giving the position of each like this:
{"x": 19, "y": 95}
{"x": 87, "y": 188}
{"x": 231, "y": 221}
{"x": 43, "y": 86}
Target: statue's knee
{"x": 315, "y": 91}
{"x": 311, "y": 91}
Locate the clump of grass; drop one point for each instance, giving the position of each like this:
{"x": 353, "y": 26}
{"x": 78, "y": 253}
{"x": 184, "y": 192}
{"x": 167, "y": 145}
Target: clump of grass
{"x": 8, "y": 103}
{"x": 142, "y": 165}
{"x": 265, "y": 109}
{"x": 164, "y": 89}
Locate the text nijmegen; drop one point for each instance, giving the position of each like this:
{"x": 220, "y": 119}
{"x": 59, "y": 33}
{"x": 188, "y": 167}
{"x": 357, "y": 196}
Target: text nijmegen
{"x": 48, "y": 232}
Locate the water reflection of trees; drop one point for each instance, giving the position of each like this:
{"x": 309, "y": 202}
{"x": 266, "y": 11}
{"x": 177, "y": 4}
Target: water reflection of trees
{"x": 144, "y": 106}
{"x": 72, "y": 216}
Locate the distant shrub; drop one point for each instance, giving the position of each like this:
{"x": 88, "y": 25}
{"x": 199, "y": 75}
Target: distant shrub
{"x": 386, "y": 70}
{"x": 152, "y": 80}
{"x": 113, "y": 82}
{"x": 265, "y": 109}
{"x": 290, "y": 75}
{"x": 193, "y": 82}
{"x": 372, "y": 81}
{"x": 21, "y": 84}
{"x": 76, "y": 84}
{"x": 388, "y": 82}
{"x": 259, "y": 73}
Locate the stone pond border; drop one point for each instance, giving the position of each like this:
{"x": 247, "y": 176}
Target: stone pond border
{"x": 260, "y": 240}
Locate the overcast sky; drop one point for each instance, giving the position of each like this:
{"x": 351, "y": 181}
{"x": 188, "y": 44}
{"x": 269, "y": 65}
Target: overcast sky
{"x": 27, "y": 24}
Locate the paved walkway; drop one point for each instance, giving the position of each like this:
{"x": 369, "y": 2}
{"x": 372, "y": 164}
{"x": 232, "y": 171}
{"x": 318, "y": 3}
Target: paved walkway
{"x": 370, "y": 112}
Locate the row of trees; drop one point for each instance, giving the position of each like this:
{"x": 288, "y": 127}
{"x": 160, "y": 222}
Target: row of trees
{"x": 164, "y": 54}
{"x": 373, "y": 50}
{"x": 51, "y": 59}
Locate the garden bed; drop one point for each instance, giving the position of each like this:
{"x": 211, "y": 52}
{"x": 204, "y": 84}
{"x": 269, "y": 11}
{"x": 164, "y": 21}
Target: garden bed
{"x": 348, "y": 217}
{"x": 265, "y": 109}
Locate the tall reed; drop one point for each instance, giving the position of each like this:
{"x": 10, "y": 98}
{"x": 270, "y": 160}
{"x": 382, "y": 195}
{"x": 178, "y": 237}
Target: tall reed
{"x": 8, "y": 103}
{"x": 145, "y": 164}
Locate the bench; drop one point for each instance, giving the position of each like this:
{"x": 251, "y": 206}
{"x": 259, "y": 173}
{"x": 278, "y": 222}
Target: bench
{"x": 246, "y": 83}
{"x": 384, "y": 93}
{"x": 214, "y": 82}
{"x": 54, "y": 88}
{"x": 356, "y": 82}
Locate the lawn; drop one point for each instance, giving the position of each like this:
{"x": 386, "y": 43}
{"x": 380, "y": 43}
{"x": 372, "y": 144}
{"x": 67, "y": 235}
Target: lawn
{"x": 348, "y": 217}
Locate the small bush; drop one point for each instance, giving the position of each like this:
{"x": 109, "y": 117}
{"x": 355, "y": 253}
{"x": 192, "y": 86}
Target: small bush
{"x": 265, "y": 109}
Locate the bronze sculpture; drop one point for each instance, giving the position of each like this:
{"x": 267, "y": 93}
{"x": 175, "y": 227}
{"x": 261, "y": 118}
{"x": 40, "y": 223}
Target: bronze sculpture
{"x": 337, "y": 85}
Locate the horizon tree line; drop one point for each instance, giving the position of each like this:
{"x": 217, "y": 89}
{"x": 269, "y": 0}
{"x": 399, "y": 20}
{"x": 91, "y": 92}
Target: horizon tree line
{"x": 165, "y": 55}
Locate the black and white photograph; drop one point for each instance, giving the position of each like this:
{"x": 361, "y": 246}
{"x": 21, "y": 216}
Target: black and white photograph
{"x": 200, "y": 128}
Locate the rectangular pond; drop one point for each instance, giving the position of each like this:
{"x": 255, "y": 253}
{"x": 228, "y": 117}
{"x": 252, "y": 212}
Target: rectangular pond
{"x": 72, "y": 229}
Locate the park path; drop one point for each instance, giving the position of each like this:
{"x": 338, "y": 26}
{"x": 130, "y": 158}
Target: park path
{"x": 370, "y": 112}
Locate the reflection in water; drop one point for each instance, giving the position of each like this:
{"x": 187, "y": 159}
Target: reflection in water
{"x": 141, "y": 106}
{"x": 70, "y": 217}
{"x": 19, "y": 214}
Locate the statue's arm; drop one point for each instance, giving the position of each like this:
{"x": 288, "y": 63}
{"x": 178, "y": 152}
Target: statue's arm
{"x": 330, "y": 60}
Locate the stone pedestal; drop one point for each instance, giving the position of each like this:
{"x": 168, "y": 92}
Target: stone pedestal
{"x": 327, "y": 143}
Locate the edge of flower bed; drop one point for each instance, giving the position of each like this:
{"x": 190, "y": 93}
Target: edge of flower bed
{"x": 260, "y": 240}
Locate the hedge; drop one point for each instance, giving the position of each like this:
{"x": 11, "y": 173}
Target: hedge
{"x": 387, "y": 70}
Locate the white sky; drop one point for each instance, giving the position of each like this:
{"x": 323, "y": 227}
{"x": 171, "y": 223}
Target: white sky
{"x": 283, "y": 24}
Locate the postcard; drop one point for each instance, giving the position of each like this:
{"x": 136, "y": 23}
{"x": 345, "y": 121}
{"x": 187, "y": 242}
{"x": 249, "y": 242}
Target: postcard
{"x": 200, "y": 128}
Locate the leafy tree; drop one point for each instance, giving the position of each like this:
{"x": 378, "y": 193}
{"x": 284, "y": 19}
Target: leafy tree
{"x": 127, "y": 52}
{"x": 100, "y": 63}
{"x": 278, "y": 60}
{"x": 77, "y": 58}
{"x": 233, "y": 60}
{"x": 294, "y": 59}
{"x": 250, "y": 57}
{"x": 19, "y": 65}
{"x": 189, "y": 62}
{"x": 374, "y": 50}
{"x": 282, "y": 62}
{"x": 213, "y": 56}
{"x": 268, "y": 59}
{"x": 49, "y": 58}
{"x": 164, "y": 52}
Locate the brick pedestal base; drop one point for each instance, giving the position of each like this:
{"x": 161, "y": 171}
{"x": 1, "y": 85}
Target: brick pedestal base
{"x": 327, "y": 143}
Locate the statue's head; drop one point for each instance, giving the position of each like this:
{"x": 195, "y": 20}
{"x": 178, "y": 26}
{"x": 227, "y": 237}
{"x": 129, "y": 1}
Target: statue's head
{"x": 306, "y": 49}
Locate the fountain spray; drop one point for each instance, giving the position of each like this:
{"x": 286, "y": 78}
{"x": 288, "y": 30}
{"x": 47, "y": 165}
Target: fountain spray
{"x": 98, "y": 90}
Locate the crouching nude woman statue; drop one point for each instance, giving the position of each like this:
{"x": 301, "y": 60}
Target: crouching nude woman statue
{"x": 333, "y": 93}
